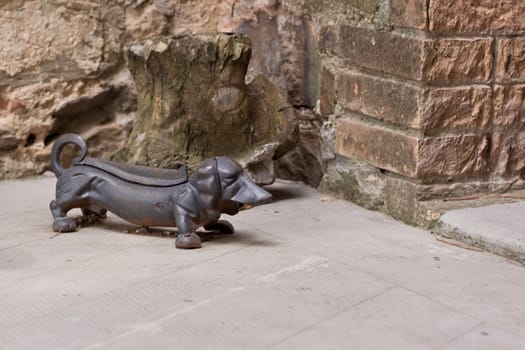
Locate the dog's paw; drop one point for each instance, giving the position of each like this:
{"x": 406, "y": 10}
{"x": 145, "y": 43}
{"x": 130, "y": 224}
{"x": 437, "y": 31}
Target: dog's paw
{"x": 64, "y": 225}
{"x": 222, "y": 226}
{"x": 187, "y": 241}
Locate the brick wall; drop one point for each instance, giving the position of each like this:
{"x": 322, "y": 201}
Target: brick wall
{"x": 432, "y": 95}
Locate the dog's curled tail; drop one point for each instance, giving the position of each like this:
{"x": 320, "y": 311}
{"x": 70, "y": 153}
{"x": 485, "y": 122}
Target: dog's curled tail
{"x": 59, "y": 145}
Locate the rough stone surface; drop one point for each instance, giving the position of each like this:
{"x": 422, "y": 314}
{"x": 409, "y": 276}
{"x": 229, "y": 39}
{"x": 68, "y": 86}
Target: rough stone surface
{"x": 304, "y": 162}
{"x": 409, "y": 13}
{"x": 455, "y": 108}
{"x": 34, "y": 42}
{"x": 414, "y": 106}
{"x": 301, "y": 63}
{"x": 446, "y": 60}
{"x": 511, "y": 59}
{"x": 385, "y": 99}
{"x": 411, "y": 156}
{"x": 383, "y": 51}
{"x": 507, "y": 155}
{"x": 327, "y": 97}
{"x": 459, "y": 60}
{"x": 381, "y": 147}
{"x": 509, "y": 107}
{"x": 174, "y": 125}
{"x": 56, "y": 80}
{"x": 476, "y": 16}
{"x": 401, "y": 199}
{"x": 459, "y": 156}
{"x": 55, "y": 53}
{"x": 329, "y": 39}
{"x": 355, "y": 181}
{"x": 370, "y": 6}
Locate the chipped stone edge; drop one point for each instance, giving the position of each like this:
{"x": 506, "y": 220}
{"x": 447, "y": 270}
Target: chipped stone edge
{"x": 501, "y": 248}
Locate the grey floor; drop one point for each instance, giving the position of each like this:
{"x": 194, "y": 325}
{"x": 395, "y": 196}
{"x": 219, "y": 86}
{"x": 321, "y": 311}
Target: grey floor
{"x": 304, "y": 272}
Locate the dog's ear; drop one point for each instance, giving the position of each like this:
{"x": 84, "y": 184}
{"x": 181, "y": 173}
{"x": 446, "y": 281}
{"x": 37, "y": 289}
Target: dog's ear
{"x": 207, "y": 183}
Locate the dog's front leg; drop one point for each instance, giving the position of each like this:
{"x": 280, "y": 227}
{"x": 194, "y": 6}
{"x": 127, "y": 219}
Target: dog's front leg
{"x": 186, "y": 238}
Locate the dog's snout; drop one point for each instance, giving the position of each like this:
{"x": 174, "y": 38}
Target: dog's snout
{"x": 250, "y": 193}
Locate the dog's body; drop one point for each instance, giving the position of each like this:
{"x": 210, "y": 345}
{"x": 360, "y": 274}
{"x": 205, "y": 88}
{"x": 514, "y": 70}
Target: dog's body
{"x": 151, "y": 197}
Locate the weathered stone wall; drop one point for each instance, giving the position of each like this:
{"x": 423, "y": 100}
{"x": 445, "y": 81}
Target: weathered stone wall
{"x": 399, "y": 102}
{"x": 60, "y": 70}
{"x": 432, "y": 97}
{"x": 63, "y": 69}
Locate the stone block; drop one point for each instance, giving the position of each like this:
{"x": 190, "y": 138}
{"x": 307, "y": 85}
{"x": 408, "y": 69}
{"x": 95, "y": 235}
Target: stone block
{"x": 301, "y": 60}
{"x": 193, "y": 103}
{"x": 381, "y": 51}
{"x": 509, "y": 107}
{"x": 511, "y": 59}
{"x": 416, "y": 157}
{"x": 400, "y": 196}
{"x": 368, "y": 6}
{"x": 354, "y": 181}
{"x": 458, "y": 60}
{"x": 409, "y": 13}
{"x": 383, "y": 148}
{"x": 384, "y": 99}
{"x": 433, "y": 60}
{"x": 507, "y": 156}
{"x": 476, "y": 16}
{"x": 328, "y": 39}
{"x": 327, "y": 98}
{"x": 454, "y": 108}
{"x": 415, "y": 106}
{"x": 454, "y": 155}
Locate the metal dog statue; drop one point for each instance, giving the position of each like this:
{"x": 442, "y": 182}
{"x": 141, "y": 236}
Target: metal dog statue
{"x": 149, "y": 196}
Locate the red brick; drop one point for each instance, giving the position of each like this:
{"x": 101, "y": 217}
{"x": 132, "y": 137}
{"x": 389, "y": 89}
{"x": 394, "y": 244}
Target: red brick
{"x": 458, "y": 155}
{"x": 409, "y": 13}
{"x": 509, "y": 107}
{"x": 476, "y": 16}
{"x": 511, "y": 59}
{"x": 383, "y": 148}
{"x": 459, "y": 60}
{"x": 438, "y": 60}
{"x": 412, "y": 106}
{"x": 416, "y": 157}
{"x": 465, "y": 108}
{"x": 388, "y": 100}
{"x": 507, "y": 157}
{"x": 386, "y": 52}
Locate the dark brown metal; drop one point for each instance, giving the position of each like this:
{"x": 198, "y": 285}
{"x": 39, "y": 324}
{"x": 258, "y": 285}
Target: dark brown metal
{"x": 149, "y": 196}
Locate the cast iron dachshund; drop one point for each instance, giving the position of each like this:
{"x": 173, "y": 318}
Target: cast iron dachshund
{"x": 149, "y": 196}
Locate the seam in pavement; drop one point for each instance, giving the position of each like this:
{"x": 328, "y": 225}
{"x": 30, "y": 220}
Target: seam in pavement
{"x": 181, "y": 268}
{"x": 304, "y": 329}
{"x": 453, "y": 339}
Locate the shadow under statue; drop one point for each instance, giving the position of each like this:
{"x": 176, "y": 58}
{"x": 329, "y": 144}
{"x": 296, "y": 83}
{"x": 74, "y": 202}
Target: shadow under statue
{"x": 150, "y": 196}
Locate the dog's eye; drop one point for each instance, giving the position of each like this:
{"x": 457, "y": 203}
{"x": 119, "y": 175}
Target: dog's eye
{"x": 230, "y": 177}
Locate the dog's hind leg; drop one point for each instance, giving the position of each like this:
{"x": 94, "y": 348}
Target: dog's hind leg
{"x": 69, "y": 194}
{"x": 61, "y": 223}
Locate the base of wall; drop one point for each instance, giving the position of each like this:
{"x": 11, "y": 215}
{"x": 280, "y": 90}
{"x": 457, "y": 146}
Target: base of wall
{"x": 406, "y": 199}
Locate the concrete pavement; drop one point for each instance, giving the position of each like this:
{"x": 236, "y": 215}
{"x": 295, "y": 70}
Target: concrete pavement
{"x": 304, "y": 272}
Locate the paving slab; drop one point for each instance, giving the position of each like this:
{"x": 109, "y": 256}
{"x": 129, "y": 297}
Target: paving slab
{"x": 305, "y": 271}
{"x": 497, "y": 228}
